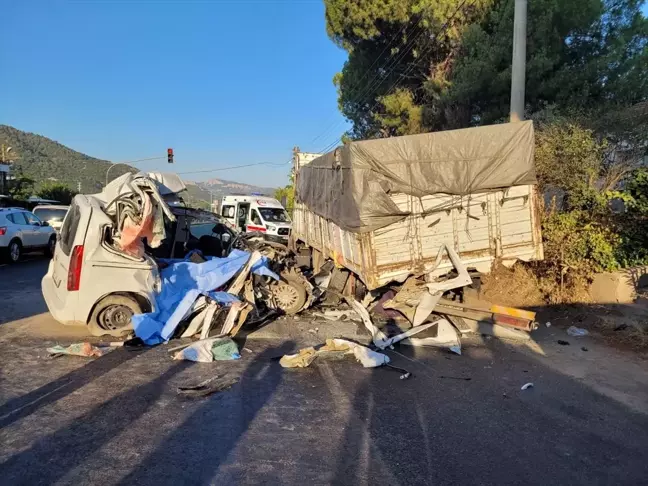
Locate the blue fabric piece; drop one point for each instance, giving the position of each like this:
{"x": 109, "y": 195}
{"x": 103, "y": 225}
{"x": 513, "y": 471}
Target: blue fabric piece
{"x": 222, "y": 297}
{"x": 182, "y": 283}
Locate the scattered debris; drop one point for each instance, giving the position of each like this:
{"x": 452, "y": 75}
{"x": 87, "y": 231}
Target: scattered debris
{"x": 207, "y": 387}
{"x": 405, "y": 374}
{"x": 446, "y": 337}
{"x": 338, "y": 315}
{"x": 583, "y": 348}
{"x": 577, "y": 331}
{"x": 210, "y": 349}
{"x": 86, "y": 350}
{"x": 563, "y": 343}
{"x": 527, "y": 386}
{"x": 548, "y": 324}
{"x": 455, "y": 378}
{"x": 225, "y": 350}
{"x": 334, "y": 348}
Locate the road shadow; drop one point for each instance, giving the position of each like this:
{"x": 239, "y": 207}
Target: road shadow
{"x": 196, "y": 448}
{"x": 438, "y": 428}
{"x": 31, "y": 402}
{"x": 69, "y": 446}
{"x": 20, "y": 288}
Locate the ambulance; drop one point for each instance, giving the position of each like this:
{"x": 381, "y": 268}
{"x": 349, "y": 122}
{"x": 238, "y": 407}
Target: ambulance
{"x": 257, "y": 213}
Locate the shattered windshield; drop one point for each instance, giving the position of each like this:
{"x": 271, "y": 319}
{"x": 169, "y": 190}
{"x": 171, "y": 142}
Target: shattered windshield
{"x": 274, "y": 215}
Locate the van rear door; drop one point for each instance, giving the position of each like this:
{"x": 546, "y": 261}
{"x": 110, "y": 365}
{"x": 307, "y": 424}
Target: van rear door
{"x": 69, "y": 251}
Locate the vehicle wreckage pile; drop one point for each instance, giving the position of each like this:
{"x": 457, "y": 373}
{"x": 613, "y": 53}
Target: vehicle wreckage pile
{"x": 248, "y": 281}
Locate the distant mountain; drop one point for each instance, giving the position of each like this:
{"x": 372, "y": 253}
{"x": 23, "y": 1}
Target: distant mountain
{"x": 41, "y": 159}
{"x": 222, "y": 187}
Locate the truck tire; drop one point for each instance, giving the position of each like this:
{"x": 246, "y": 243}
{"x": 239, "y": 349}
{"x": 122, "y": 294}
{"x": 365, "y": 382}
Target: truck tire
{"x": 290, "y": 295}
{"x": 112, "y": 315}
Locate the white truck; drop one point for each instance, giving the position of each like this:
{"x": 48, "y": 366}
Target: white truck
{"x": 384, "y": 208}
{"x": 257, "y": 213}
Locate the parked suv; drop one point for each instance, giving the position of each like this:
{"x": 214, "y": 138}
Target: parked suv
{"x": 54, "y": 215}
{"x": 21, "y": 231}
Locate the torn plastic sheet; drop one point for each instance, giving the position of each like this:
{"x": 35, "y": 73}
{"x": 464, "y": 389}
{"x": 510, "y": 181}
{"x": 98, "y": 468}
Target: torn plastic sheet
{"x": 182, "y": 283}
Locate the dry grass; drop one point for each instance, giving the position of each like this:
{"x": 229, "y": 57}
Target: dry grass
{"x": 516, "y": 286}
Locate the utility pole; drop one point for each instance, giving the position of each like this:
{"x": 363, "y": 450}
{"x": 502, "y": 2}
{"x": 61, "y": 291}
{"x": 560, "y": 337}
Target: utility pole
{"x": 518, "y": 68}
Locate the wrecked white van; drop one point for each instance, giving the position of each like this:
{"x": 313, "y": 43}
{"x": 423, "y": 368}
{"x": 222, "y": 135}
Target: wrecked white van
{"x": 100, "y": 274}
{"x": 105, "y": 266}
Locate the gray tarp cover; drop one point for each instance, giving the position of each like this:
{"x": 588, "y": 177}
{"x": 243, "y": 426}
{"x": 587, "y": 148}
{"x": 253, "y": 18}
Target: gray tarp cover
{"x": 352, "y": 188}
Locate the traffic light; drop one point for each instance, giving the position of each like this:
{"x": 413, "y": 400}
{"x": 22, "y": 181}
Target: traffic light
{"x": 170, "y": 156}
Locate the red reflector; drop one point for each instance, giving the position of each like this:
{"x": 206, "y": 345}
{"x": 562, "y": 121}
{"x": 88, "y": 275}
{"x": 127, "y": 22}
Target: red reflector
{"x": 3, "y": 230}
{"x": 74, "y": 272}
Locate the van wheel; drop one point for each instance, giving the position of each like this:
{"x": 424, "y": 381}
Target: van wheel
{"x": 51, "y": 246}
{"x": 112, "y": 315}
{"x": 290, "y": 295}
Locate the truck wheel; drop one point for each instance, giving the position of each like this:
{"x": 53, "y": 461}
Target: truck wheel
{"x": 290, "y": 295}
{"x": 51, "y": 246}
{"x": 112, "y": 315}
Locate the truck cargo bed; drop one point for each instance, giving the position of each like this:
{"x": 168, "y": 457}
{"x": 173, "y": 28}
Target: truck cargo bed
{"x": 480, "y": 227}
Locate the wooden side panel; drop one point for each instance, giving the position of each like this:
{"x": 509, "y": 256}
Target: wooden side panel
{"x": 479, "y": 227}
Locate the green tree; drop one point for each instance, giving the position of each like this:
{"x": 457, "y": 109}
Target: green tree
{"x": 394, "y": 47}
{"x": 20, "y": 186}
{"x": 450, "y": 60}
{"x": 287, "y": 193}
{"x": 56, "y": 192}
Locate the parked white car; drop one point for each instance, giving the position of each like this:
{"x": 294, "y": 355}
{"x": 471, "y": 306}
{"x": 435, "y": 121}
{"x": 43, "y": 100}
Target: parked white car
{"x": 22, "y": 231}
{"x": 52, "y": 214}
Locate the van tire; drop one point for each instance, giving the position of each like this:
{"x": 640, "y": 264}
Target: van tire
{"x": 290, "y": 295}
{"x": 111, "y": 316}
{"x": 51, "y": 245}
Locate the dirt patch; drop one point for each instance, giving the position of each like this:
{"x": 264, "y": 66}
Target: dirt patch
{"x": 622, "y": 326}
{"x": 516, "y": 286}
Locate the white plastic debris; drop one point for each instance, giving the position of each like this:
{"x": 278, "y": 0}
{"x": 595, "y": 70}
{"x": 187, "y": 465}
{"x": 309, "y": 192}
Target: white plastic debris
{"x": 367, "y": 357}
{"x": 526, "y": 386}
{"x": 548, "y": 324}
{"x": 577, "y": 331}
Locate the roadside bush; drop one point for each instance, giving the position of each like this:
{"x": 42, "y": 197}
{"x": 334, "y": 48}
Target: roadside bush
{"x": 633, "y": 249}
{"x": 575, "y": 248}
{"x": 581, "y": 235}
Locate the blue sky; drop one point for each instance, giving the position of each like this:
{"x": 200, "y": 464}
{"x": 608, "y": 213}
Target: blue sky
{"x": 222, "y": 82}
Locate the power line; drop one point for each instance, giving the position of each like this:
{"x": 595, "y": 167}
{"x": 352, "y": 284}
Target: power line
{"x": 389, "y": 44}
{"x": 389, "y": 67}
{"x": 204, "y": 171}
{"x": 442, "y": 32}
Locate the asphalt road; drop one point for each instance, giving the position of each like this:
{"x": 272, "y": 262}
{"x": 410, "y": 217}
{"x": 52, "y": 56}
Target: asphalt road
{"x": 458, "y": 420}
{"x": 20, "y": 292}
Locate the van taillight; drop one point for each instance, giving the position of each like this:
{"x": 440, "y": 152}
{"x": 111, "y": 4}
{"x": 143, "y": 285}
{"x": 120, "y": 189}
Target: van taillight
{"x": 74, "y": 272}
{"x": 3, "y": 230}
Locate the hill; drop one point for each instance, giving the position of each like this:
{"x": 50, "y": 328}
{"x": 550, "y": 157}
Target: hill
{"x": 41, "y": 159}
